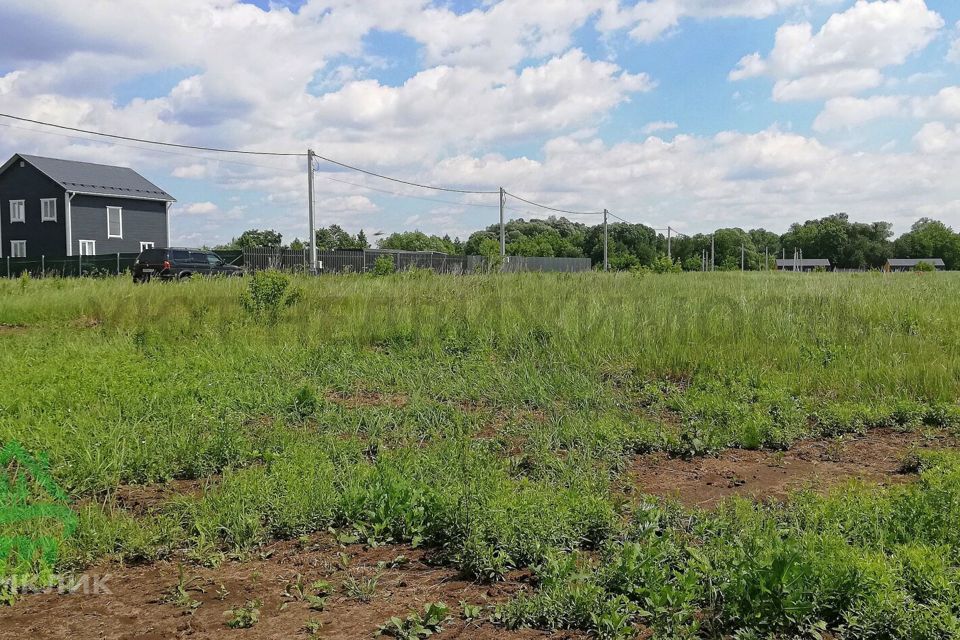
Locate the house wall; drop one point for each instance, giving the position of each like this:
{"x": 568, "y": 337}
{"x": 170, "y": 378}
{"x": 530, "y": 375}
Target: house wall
{"x": 143, "y": 221}
{"x": 43, "y": 238}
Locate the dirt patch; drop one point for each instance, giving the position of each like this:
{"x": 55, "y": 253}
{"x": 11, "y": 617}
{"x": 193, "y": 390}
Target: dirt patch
{"x": 143, "y": 603}
{"x": 12, "y": 329}
{"x": 702, "y": 482}
{"x": 143, "y": 499}
{"x": 362, "y": 398}
{"x": 86, "y": 322}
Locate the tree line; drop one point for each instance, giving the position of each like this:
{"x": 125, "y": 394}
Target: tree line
{"x": 848, "y": 245}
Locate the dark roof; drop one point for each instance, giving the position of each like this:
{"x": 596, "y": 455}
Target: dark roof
{"x": 94, "y": 179}
{"x": 806, "y": 262}
{"x": 912, "y": 262}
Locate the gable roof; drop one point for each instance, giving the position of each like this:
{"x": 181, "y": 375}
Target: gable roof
{"x": 806, "y": 262}
{"x": 912, "y": 262}
{"x": 94, "y": 179}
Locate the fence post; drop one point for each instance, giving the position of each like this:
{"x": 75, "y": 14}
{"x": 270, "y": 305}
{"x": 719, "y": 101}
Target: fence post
{"x": 8, "y": 266}
{"x": 118, "y": 263}
{"x": 43, "y": 266}
{"x": 79, "y": 265}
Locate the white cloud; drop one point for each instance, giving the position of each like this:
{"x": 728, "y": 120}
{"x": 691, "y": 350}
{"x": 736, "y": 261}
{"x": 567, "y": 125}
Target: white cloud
{"x": 937, "y": 138}
{"x": 650, "y": 19}
{"x": 199, "y": 209}
{"x": 190, "y": 171}
{"x": 954, "y": 54}
{"x": 660, "y": 125}
{"x": 849, "y": 112}
{"x": 846, "y": 56}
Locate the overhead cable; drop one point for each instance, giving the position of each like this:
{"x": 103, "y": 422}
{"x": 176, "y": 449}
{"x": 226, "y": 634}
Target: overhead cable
{"x": 549, "y": 208}
{"x": 398, "y": 180}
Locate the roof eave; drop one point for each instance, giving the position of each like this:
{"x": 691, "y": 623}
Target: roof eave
{"x": 116, "y": 195}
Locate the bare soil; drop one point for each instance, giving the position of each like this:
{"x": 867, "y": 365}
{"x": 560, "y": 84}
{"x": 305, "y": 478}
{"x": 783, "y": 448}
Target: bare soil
{"x": 875, "y": 456}
{"x": 143, "y": 499}
{"x": 362, "y": 398}
{"x": 142, "y": 602}
{"x": 12, "y": 329}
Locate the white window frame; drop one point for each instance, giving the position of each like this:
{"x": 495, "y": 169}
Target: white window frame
{"x": 93, "y": 247}
{"x": 18, "y": 248}
{"x": 48, "y": 205}
{"x": 146, "y": 245}
{"x": 120, "y": 215}
{"x": 21, "y": 206}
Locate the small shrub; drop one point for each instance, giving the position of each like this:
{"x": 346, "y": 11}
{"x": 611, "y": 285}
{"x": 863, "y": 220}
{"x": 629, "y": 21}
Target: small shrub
{"x": 268, "y": 294}
{"x": 417, "y": 625}
{"x": 383, "y": 266}
{"x": 244, "y": 617}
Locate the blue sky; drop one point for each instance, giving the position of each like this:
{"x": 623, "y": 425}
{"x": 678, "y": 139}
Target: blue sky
{"x": 693, "y": 113}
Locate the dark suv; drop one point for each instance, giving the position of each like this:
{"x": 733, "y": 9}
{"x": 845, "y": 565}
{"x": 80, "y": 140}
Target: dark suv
{"x": 177, "y": 264}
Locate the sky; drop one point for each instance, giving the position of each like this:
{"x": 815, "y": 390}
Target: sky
{"x": 695, "y": 114}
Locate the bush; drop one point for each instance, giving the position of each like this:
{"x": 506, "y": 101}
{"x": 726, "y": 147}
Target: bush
{"x": 924, "y": 267}
{"x": 268, "y": 294}
{"x": 383, "y": 266}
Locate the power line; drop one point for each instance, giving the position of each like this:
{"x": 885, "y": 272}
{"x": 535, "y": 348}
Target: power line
{"x": 142, "y": 140}
{"x": 242, "y": 152}
{"x": 548, "y": 208}
{"x": 406, "y": 182}
{"x": 407, "y": 195}
{"x": 164, "y": 151}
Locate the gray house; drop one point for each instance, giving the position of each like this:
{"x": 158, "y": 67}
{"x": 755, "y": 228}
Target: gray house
{"x": 806, "y": 264}
{"x": 909, "y": 264}
{"x": 58, "y": 208}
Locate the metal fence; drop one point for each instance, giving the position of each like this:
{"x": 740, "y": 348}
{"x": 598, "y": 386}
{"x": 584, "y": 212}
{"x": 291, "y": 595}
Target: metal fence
{"x": 73, "y": 266}
{"x": 515, "y": 264}
{"x": 365, "y": 260}
{"x": 297, "y": 261}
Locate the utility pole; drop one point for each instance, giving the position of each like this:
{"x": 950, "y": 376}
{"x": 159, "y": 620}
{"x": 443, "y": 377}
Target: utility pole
{"x": 503, "y": 229}
{"x": 606, "y": 261}
{"x": 713, "y": 254}
{"x": 313, "y": 221}
{"x": 742, "y": 258}
{"x": 669, "y": 252}
{"x": 766, "y": 258}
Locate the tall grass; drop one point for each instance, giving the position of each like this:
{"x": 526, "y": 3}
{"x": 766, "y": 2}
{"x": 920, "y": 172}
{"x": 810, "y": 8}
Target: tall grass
{"x": 488, "y": 417}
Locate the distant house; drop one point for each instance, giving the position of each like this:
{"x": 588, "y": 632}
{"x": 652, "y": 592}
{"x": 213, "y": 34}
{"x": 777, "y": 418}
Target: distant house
{"x": 806, "y": 264}
{"x": 909, "y": 264}
{"x": 60, "y": 207}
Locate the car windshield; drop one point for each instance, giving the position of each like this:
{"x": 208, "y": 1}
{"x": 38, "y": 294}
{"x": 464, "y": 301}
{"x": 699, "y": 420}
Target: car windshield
{"x": 214, "y": 259}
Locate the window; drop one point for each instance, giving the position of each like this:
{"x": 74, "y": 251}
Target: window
{"x": 18, "y": 248}
{"x": 114, "y": 222}
{"x": 88, "y": 247}
{"x": 146, "y": 245}
{"x": 214, "y": 260}
{"x": 16, "y": 211}
{"x": 48, "y": 210}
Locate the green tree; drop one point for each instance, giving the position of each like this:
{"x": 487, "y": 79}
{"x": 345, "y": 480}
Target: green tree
{"x": 929, "y": 238}
{"x": 334, "y": 237}
{"x": 416, "y": 241}
{"x": 254, "y": 238}
{"x": 847, "y": 245}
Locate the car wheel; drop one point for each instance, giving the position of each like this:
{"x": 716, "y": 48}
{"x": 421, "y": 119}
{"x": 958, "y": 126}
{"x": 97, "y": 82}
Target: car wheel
{"x": 185, "y": 276}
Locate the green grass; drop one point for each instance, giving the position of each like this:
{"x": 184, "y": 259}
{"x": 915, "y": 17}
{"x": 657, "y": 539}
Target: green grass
{"x": 489, "y": 417}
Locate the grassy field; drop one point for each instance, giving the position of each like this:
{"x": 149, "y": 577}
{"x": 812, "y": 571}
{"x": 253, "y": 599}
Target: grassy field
{"x": 491, "y": 420}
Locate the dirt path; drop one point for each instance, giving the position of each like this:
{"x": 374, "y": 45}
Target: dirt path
{"x": 142, "y": 602}
{"x": 875, "y": 456}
